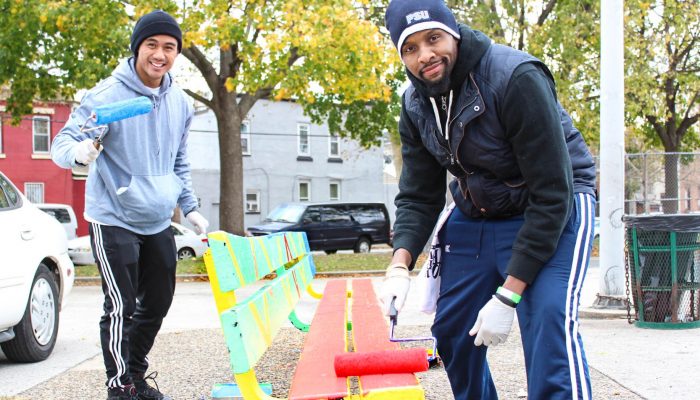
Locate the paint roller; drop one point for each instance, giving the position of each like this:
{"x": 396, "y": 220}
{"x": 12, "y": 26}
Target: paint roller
{"x": 388, "y": 361}
{"x": 117, "y": 111}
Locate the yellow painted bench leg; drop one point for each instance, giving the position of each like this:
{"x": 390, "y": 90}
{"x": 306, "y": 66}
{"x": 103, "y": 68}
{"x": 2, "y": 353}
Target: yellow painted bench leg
{"x": 316, "y": 295}
{"x": 250, "y": 388}
{"x": 223, "y": 300}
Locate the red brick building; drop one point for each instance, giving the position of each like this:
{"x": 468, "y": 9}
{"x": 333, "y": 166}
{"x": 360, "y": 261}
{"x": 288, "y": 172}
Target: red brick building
{"x": 25, "y": 158}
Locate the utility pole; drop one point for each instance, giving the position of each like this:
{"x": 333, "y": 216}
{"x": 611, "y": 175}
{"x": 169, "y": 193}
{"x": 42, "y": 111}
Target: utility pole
{"x": 612, "y": 156}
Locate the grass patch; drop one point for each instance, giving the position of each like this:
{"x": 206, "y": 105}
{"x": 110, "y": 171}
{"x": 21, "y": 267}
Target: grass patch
{"x": 184, "y": 267}
{"x": 352, "y": 262}
{"x": 324, "y": 263}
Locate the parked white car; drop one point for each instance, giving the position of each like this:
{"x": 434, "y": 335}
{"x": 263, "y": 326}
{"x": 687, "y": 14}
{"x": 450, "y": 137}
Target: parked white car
{"x": 36, "y": 276}
{"x": 187, "y": 243}
{"x": 63, "y": 214}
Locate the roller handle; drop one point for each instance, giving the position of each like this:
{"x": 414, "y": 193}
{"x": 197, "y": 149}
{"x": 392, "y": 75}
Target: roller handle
{"x": 393, "y": 312}
{"x": 393, "y": 320}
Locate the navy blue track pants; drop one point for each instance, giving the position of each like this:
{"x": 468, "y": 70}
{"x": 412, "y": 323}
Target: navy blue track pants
{"x": 138, "y": 282}
{"x": 475, "y": 253}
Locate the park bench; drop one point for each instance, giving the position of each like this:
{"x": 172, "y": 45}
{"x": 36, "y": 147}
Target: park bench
{"x": 347, "y": 318}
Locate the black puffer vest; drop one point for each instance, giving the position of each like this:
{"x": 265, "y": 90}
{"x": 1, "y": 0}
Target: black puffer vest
{"x": 488, "y": 182}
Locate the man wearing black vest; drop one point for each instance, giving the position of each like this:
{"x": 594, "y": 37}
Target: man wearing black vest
{"x": 519, "y": 238}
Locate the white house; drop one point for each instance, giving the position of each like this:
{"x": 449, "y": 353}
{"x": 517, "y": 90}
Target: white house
{"x": 286, "y": 158}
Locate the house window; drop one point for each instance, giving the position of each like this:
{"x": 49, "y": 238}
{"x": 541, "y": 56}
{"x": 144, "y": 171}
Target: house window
{"x": 245, "y": 138}
{"x": 333, "y": 145}
{"x": 304, "y": 191}
{"x": 252, "y": 202}
{"x": 41, "y": 134}
{"x": 304, "y": 143}
{"x": 334, "y": 190}
{"x": 34, "y": 192}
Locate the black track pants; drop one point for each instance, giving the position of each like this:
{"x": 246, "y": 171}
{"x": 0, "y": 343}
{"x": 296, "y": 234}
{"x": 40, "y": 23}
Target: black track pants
{"x": 138, "y": 282}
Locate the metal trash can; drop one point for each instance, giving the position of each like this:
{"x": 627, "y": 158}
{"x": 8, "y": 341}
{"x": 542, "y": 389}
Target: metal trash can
{"x": 663, "y": 261}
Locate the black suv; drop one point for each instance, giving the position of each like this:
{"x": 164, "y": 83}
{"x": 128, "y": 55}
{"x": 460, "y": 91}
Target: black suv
{"x": 330, "y": 226}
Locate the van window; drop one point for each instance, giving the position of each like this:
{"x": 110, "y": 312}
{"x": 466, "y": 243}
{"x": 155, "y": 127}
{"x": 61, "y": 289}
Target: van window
{"x": 286, "y": 213}
{"x": 368, "y": 214}
{"x": 332, "y": 214}
{"x": 312, "y": 214}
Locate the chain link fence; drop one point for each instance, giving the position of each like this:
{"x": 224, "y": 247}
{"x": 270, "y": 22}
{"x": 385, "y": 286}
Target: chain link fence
{"x": 666, "y": 183}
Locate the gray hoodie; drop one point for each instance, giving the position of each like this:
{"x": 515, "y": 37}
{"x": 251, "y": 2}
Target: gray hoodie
{"x": 143, "y": 171}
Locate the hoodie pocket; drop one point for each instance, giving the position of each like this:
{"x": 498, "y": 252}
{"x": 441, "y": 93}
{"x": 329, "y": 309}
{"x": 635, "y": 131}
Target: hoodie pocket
{"x": 149, "y": 199}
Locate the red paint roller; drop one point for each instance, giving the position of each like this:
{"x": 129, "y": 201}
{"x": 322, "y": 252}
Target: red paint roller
{"x": 381, "y": 362}
{"x": 388, "y": 361}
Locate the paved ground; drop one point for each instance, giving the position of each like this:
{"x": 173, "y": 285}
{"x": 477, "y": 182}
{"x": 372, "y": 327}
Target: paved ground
{"x": 626, "y": 362}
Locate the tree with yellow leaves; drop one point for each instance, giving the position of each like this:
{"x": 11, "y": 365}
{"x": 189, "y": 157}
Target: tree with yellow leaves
{"x": 51, "y": 49}
{"x": 323, "y": 54}
{"x": 662, "y": 86}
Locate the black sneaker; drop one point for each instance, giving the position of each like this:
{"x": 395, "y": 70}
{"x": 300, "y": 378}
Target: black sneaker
{"x": 127, "y": 392}
{"x": 146, "y": 391}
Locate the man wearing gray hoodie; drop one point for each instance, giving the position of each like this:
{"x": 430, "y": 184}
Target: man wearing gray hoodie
{"x": 137, "y": 176}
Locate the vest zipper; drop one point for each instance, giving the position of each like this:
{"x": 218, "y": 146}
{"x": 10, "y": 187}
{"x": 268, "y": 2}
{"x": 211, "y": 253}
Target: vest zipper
{"x": 453, "y": 158}
{"x": 466, "y": 181}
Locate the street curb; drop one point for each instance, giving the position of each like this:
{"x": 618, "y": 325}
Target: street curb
{"x": 601, "y": 313}
{"x": 87, "y": 280}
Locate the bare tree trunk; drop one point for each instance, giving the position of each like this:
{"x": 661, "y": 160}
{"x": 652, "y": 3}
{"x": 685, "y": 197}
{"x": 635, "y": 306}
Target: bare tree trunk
{"x": 231, "y": 175}
{"x": 670, "y": 206}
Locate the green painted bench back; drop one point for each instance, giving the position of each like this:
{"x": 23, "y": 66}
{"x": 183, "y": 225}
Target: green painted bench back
{"x": 248, "y": 259}
{"x": 251, "y": 325}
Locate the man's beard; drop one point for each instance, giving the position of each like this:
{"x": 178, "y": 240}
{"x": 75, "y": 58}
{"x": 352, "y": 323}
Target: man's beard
{"x": 441, "y": 86}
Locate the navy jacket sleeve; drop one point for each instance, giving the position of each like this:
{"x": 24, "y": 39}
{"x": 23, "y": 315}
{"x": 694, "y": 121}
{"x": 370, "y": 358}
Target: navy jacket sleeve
{"x": 531, "y": 117}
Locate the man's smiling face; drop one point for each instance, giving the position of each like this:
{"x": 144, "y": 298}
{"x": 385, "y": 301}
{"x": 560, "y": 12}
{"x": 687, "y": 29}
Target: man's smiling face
{"x": 156, "y": 56}
{"x": 430, "y": 55}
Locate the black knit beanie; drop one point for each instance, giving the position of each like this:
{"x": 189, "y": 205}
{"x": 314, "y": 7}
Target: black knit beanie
{"x": 405, "y": 17}
{"x": 157, "y": 22}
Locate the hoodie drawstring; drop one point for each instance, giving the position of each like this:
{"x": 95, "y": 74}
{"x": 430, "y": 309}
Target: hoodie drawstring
{"x": 446, "y": 131}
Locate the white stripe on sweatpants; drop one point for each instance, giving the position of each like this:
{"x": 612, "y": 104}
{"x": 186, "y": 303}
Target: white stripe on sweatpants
{"x": 586, "y": 204}
{"x": 116, "y": 315}
{"x": 576, "y": 278}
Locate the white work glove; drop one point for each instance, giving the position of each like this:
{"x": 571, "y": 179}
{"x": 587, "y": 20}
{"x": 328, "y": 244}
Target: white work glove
{"x": 85, "y": 152}
{"x": 396, "y": 284}
{"x": 198, "y": 221}
{"x": 493, "y": 323}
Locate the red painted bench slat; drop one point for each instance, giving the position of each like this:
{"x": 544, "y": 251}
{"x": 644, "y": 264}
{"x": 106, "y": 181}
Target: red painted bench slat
{"x": 314, "y": 377}
{"x": 371, "y": 333}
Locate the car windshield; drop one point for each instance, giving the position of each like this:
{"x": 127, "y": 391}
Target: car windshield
{"x": 286, "y": 213}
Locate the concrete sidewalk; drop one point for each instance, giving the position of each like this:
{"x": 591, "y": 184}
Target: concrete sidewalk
{"x": 653, "y": 364}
